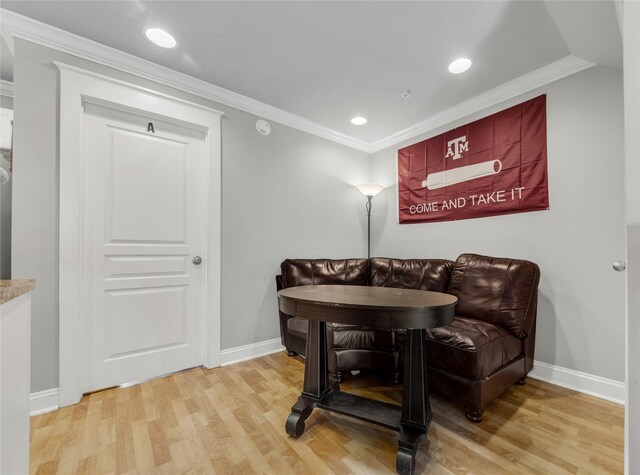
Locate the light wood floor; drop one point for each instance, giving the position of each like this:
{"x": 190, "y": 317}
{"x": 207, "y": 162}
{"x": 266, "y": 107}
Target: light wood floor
{"x": 231, "y": 420}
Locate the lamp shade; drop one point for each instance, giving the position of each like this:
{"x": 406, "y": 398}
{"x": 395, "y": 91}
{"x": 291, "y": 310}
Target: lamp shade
{"x": 370, "y": 189}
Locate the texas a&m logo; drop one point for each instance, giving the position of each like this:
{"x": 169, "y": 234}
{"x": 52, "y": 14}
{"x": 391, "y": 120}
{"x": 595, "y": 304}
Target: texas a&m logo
{"x": 455, "y": 147}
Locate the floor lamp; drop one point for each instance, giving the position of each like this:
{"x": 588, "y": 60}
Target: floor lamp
{"x": 369, "y": 190}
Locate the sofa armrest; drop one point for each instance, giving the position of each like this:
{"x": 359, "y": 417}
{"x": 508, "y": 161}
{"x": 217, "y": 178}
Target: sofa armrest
{"x": 496, "y": 290}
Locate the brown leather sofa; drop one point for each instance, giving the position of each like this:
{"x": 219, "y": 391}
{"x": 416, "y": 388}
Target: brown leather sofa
{"x": 487, "y": 348}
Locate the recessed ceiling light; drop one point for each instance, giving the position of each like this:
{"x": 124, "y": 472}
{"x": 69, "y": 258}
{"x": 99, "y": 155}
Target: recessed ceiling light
{"x": 358, "y": 120}
{"x": 160, "y": 37}
{"x": 460, "y": 65}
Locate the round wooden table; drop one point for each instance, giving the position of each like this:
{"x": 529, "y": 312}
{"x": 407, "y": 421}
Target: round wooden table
{"x": 380, "y": 307}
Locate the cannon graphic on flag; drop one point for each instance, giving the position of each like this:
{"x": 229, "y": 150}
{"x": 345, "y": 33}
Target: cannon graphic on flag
{"x": 461, "y": 174}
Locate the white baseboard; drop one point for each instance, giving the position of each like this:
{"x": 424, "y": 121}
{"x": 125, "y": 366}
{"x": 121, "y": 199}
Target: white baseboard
{"x": 609, "y": 389}
{"x": 44, "y": 401}
{"x": 248, "y": 352}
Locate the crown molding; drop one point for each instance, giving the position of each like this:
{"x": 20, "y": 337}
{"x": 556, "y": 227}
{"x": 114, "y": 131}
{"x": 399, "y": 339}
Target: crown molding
{"x": 6, "y": 88}
{"x": 19, "y": 26}
{"x": 552, "y": 72}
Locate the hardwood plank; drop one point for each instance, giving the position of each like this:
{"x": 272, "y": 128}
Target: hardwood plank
{"x": 231, "y": 420}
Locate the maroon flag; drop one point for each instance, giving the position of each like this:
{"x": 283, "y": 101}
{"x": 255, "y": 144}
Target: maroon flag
{"x": 496, "y": 165}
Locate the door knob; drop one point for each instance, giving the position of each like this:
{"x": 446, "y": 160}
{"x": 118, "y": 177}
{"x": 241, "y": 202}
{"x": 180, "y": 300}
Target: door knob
{"x": 197, "y": 260}
{"x": 619, "y": 266}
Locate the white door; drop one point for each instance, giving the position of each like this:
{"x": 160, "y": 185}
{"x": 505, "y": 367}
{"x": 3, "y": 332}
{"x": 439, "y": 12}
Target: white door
{"x": 144, "y": 223}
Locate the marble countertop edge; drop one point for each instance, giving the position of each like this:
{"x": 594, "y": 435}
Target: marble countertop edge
{"x": 11, "y": 289}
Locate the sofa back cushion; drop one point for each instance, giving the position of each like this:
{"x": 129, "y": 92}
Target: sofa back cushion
{"x": 500, "y": 291}
{"x": 418, "y": 274}
{"x": 324, "y": 272}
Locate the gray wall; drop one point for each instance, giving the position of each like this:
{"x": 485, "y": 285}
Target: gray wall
{"x": 288, "y": 194}
{"x": 5, "y": 207}
{"x": 5, "y": 222}
{"x": 6, "y": 102}
{"x": 581, "y": 299}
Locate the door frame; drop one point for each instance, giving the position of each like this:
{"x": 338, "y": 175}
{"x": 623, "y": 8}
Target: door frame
{"x": 631, "y": 67}
{"x": 77, "y": 87}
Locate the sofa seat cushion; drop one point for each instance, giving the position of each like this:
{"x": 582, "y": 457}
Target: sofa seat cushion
{"x": 471, "y": 348}
{"x": 356, "y": 337}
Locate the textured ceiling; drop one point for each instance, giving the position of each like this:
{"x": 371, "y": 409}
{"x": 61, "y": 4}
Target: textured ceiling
{"x": 330, "y": 61}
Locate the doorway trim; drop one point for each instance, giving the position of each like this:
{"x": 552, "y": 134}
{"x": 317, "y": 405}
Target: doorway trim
{"x": 631, "y": 50}
{"x": 77, "y": 87}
